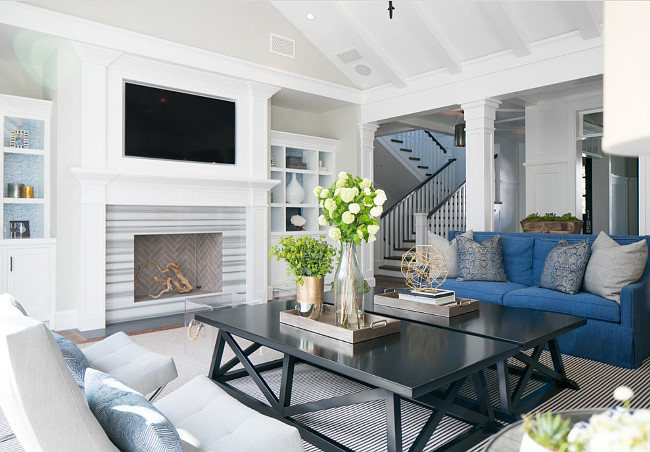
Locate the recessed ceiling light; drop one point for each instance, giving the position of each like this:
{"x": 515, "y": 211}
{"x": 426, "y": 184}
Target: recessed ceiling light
{"x": 311, "y": 16}
{"x": 362, "y": 69}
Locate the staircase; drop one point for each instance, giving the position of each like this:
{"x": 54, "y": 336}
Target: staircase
{"x": 438, "y": 194}
{"x": 419, "y": 151}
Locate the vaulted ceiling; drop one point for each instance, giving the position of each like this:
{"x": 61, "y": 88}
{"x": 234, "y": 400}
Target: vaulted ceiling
{"x": 429, "y": 37}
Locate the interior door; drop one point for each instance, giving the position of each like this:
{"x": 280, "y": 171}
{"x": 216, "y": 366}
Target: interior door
{"x": 618, "y": 205}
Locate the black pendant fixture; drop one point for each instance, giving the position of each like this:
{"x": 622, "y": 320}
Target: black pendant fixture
{"x": 459, "y": 135}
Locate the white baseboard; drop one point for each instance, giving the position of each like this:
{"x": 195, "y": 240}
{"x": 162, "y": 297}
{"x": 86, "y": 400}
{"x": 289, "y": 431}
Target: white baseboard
{"x": 65, "y": 320}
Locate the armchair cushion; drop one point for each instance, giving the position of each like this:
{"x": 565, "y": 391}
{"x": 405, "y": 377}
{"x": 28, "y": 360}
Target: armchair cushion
{"x": 131, "y": 422}
{"x": 73, "y": 357}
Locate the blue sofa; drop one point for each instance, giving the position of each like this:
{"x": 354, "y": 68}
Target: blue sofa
{"x": 614, "y": 334}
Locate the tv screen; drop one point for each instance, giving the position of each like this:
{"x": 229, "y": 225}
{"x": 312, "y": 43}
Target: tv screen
{"x": 164, "y": 124}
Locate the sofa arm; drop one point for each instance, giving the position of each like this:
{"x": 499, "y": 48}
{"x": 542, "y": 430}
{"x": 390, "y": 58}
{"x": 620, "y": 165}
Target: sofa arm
{"x": 635, "y": 304}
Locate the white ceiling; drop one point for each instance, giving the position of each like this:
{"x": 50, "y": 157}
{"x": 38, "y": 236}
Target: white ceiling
{"x": 426, "y": 37}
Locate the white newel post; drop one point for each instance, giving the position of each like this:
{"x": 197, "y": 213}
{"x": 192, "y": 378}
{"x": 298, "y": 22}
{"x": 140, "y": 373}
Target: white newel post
{"x": 421, "y": 226}
{"x": 366, "y": 143}
{"x": 92, "y": 303}
{"x": 479, "y": 136}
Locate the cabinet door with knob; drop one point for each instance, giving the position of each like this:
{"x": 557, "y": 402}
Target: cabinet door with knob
{"x": 28, "y": 277}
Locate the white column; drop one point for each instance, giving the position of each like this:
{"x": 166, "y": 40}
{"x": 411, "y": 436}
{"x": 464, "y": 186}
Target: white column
{"x": 366, "y": 164}
{"x": 479, "y": 166}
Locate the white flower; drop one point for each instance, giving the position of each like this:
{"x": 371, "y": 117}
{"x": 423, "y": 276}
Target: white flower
{"x": 330, "y": 204}
{"x": 355, "y": 190}
{"x": 376, "y": 211}
{"x": 322, "y": 221}
{"x": 354, "y": 208}
{"x": 367, "y": 191}
{"x": 347, "y": 194}
{"x": 360, "y": 233}
{"x": 371, "y": 238}
{"x": 317, "y": 190}
{"x": 623, "y": 393}
{"x": 373, "y": 229}
{"x": 343, "y": 175}
{"x": 347, "y": 217}
{"x": 337, "y": 191}
{"x": 322, "y": 203}
{"x": 365, "y": 184}
{"x": 335, "y": 234}
{"x": 298, "y": 221}
{"x": 380, "y": 198}
{"x": 340, "y": 183}
{"x": 325, "y": 193}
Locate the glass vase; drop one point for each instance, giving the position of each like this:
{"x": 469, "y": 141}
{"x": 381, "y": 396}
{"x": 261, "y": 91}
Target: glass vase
{"x": 348, "y": 288}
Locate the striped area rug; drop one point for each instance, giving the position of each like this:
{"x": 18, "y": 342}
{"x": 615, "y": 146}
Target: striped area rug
{"x": 362, "y": 427}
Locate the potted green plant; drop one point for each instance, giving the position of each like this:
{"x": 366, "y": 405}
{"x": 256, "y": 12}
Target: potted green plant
{"x": 545, "y": 432}
{"x": 550, "y": 222}
{"x": 308, "y": 260}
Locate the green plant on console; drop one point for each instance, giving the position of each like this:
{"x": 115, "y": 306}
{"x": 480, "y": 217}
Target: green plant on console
{"x": 548, "y": 430}
{"x": 305, "y": 256}
{"x": 550, "y": 217}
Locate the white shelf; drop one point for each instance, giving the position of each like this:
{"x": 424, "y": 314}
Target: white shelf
{"x": 24, "y": 201}
{"x": 308, "y": 206}
{"x": 25, "y": 151}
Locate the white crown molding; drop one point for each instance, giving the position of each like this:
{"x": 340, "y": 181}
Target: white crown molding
{"x": 85, "y": 31}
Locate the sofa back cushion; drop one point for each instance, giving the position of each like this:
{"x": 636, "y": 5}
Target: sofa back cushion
{"x": 517, "y": 254}
{"x": 40, "y": 399}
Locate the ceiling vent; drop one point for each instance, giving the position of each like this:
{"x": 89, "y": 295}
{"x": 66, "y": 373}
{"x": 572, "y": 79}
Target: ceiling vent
{"x": 283, "y": 46}
{"x": 349, "y": 56}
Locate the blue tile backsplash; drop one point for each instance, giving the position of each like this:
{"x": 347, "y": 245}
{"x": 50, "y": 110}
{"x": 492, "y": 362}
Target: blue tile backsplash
{"x": 24, "y": 212}
{"x": 24, "y": 169}
{"x": 36, "y": 129}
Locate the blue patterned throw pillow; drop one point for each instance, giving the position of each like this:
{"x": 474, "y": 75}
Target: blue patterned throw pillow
{"x": 565, "y": 266}
{"x": 480, "y": 261}
{"x": 131, "y": 422}
{"x": 73, "y": 357}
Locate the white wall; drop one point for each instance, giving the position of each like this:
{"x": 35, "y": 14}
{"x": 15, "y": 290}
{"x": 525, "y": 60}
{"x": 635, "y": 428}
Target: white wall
{"x": 17, "y": 79}
{"x": 553, "y": 163}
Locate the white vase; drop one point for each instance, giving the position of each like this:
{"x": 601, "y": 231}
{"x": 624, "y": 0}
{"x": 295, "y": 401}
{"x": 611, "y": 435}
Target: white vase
{"x": 528, "y": 444}
{"x": 295, "y": 192}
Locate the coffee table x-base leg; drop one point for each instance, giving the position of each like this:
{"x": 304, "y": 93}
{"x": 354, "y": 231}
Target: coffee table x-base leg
{"x": 443, "y": 403}
{"x": 512, "y": 399}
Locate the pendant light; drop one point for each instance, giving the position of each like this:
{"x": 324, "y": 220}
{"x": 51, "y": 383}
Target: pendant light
{"x": 459, "y": 135}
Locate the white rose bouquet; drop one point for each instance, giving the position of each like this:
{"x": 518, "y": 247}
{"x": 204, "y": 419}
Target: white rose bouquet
{"x": 351, "y": 206}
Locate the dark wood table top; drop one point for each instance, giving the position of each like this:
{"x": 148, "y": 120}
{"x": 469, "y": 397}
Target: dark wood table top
{"x": 415, "y": 361}
{"x": 522, "y": 326}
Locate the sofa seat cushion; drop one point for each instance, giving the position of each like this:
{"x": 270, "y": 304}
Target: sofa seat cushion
{"x": 488, "y": 291}
{"x": 581, "y": 304}
{"x": 210, "y": 420}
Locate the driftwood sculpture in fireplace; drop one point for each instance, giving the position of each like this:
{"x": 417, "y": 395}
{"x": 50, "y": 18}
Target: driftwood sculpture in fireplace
{"x": 181, "y": 284}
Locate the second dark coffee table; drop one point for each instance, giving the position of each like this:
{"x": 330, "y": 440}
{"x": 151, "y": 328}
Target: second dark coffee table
{"x": 530, "y": 329}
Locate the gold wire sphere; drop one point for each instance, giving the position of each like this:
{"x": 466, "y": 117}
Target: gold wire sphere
{"x": 424, "y": 268}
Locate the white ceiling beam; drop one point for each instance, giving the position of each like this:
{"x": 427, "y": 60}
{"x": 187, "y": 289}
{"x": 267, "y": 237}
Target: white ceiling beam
{"x": 435, "y": 43}
{"x": 584, "y": 18}
{"x": 505, "y": 25}
{"x": 382, "y": 57}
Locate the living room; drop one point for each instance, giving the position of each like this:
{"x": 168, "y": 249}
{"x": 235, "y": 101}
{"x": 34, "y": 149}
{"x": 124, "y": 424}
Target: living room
{"x": 79, "y": 55}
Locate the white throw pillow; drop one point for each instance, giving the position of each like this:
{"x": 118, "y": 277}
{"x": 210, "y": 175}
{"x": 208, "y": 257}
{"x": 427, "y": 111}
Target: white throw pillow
{"x": 448, "y": 249}
{"x": 613, "y": 266}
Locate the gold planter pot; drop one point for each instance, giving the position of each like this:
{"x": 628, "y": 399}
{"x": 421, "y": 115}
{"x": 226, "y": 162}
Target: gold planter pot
{"x": 309, "y": 296}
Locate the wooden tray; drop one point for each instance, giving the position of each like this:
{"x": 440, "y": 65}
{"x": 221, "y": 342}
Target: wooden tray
{"x": 325, "y": 325}
{"x": 392, "y": 300}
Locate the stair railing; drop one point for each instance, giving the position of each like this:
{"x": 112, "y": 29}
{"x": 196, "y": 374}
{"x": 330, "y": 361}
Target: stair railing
{"x": 449, "y": 214}
{"x": 417, "y": 148}
{"x": 397, "y": 223}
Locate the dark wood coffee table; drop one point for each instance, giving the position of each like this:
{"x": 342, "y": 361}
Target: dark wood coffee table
{"x": 527, "y": 328}
{"x": 422, "y": 363}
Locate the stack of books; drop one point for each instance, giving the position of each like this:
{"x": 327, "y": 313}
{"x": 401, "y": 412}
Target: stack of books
{"x": 439, "y": 297}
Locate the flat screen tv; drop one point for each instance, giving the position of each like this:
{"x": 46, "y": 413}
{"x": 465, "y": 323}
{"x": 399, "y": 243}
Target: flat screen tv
{"x": 171, "y": 125}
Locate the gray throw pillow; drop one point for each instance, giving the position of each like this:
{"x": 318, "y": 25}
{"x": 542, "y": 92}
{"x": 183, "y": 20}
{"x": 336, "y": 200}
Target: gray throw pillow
{"x": 130, "y": 421}
{"x": 73, "y": 357}
{"x": 565, "y": 266}
{"x": 613, "y": 266}
{"x": 448, "y": 249}
{"x": 481, "y": 261}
